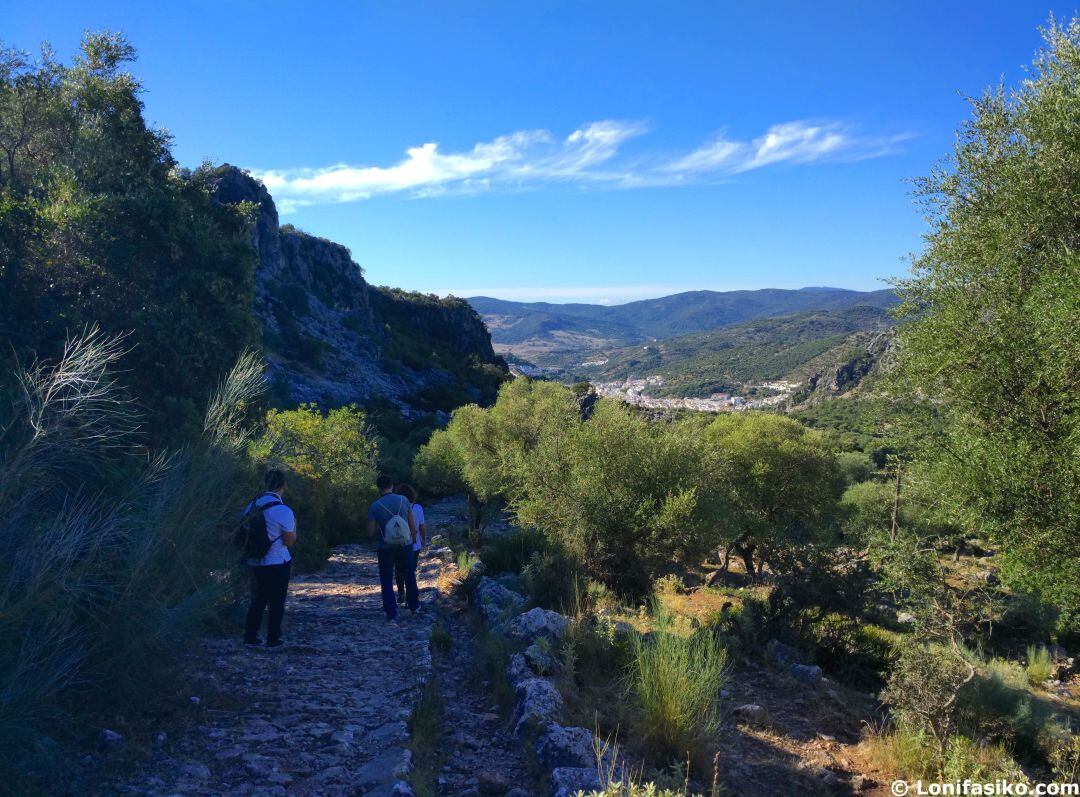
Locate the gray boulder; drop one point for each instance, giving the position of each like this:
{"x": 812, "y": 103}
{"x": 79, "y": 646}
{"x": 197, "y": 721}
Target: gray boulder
{"x": 568, "y": 781}
{"x": 496, "y": 602}
{"x": 566, "y": 747}
{"x": 444, "y": 554}
{"x": 751, "y": 712}
{"x": 809, "y": 674}
{"x": 476, "y": 570}
{"x": 538, "y": 704}
{"x": 517, "y": 670}
{"x": 535, "y": 623}
{"x": 540, "y": 658}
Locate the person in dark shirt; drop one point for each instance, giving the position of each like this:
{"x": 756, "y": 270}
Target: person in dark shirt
{"x": 388, "y": 517}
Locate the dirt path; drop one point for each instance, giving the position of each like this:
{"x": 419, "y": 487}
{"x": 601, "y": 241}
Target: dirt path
{"x": 324, "y": 716}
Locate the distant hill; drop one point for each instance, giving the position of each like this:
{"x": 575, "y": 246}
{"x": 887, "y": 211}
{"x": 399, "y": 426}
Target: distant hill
{"x": 538, "y": 329}
{"x": 795, "y": 346}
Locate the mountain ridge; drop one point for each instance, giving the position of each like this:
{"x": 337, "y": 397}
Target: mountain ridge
{"x": 532, "y": 329}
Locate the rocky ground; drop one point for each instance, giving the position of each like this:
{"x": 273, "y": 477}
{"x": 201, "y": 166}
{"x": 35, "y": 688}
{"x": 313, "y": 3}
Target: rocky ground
{"x": 477, "y": 751}
{"x": 324, "y": 715}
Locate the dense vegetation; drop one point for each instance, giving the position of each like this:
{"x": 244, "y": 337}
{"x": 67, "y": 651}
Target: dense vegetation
{"x": 420, "y": 332}
{"x": 111, "y": 559}
{"x": 132, "y": 420}
{"x": 622, "y": 496}
{"x": 98, "y": 227}
{"x": 995, "y": 299}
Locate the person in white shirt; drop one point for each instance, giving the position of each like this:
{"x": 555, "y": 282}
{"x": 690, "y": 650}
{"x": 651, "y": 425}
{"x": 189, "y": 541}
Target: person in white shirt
{"x": 421, "y": 537}
{"x": 270, "y": 574}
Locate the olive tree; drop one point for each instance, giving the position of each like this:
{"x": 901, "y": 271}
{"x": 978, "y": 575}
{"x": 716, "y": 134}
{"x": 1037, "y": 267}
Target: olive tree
{"x": 993, "y": 341}
{"x": 780, "y": 480}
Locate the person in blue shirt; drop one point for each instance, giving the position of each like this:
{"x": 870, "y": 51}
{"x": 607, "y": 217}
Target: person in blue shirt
{"x": 391, "y": 520}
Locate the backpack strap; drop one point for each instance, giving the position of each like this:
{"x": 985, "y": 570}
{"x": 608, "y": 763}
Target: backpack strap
{"x": 262, "y": 510}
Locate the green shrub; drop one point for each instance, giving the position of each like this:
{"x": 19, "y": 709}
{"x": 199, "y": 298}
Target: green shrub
{"x": 923, "y": 687}
{"x": 509, "y": 553}
{"x": 859, "y": 652}
{"x": 997, "y": 705}
{"x": 1061, "y": 745}
{"x": 670, "y": 584}
{"x": 333, "y": 457}
{"x": 675, "y": 682}
{"x": 1040, "y": 665}
{"x": 855, "y": 466}
{"x": 553, "y": 581}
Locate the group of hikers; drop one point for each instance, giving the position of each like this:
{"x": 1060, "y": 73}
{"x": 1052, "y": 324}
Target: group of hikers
{"x": 268, "y": 531}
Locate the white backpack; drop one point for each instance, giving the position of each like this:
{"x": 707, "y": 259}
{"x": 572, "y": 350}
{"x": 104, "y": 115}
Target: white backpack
{"x": 396, "y": 530}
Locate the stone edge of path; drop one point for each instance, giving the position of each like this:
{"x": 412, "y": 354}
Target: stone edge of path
{"x": 567, "y": 754}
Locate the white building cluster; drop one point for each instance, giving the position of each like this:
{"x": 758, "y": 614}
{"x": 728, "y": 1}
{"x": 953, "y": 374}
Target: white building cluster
{"x": 632, "y": 391}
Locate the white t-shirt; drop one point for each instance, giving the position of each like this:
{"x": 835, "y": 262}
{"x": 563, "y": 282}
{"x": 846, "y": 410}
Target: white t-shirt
{"x": 279, "y": 519}
{"x": 418, "y": 519}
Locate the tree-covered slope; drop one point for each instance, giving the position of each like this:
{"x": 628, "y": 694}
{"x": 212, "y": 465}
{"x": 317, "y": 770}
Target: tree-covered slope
{"x": 724, "y": 359}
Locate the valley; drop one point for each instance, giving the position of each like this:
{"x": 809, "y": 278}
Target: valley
{"x": 752, "y": 364}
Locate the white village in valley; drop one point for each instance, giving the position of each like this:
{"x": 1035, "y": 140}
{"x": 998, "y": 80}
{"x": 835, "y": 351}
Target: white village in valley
{"x": 636, "y": 391}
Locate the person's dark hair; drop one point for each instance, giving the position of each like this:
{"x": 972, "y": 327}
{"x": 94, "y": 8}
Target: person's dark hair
{"x": 384, "y": 482}
{"x": 275, "y": 479}
{"x": 407, "y": 491}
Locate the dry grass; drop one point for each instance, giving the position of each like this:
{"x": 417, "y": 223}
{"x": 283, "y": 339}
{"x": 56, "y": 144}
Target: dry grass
{"x": 914, "y": 754}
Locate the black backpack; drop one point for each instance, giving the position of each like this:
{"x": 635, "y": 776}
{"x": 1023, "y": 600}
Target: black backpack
{"x": 253, "y": 536}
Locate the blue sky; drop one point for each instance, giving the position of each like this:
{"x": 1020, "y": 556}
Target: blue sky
{"x": 601, "y": 151}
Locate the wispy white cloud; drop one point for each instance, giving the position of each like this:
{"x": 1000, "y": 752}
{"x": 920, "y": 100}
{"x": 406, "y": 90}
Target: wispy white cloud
{"x": 792, "y": 142}
{"x": 591, "y": 155}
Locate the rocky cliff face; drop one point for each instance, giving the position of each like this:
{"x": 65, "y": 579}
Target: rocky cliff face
{"x": 866, "y": 355}
{"x": 331, "y": 338}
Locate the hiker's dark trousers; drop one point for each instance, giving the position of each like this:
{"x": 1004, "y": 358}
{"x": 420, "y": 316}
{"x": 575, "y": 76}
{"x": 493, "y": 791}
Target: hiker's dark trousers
{"x": 269, "y": 583}
{"x": 401, "y": 577}
{"x": 394, "y": 560}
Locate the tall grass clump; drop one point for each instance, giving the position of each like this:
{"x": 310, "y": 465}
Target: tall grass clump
{"x": 675, "y": 682}
{"x": 109, "y": 557}
{"x": 1040, "y": 665}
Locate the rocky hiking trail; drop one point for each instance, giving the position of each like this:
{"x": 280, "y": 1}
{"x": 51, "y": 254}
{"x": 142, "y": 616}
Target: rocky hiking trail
{"x": 326, "y": 715}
